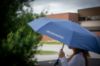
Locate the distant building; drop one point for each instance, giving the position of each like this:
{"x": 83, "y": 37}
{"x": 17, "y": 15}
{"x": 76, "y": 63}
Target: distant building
{"x": 66, "y": 16}
{"x": 90, "y": 19}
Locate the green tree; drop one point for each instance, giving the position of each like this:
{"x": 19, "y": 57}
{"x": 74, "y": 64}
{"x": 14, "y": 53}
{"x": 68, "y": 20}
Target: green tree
{"x": 17, "y": 39}
{"x": 17, "y": 49}
{"x": 8, "y": 14}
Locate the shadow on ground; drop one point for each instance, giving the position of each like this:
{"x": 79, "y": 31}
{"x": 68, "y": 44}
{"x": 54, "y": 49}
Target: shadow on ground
{"x": 92, "y": 62}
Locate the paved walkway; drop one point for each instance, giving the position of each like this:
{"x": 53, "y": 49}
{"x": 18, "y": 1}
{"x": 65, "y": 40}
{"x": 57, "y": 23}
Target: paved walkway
{"x": 92, "y": 62}
{"x": 56, "y": 48}
{"x": 48, "y": 60}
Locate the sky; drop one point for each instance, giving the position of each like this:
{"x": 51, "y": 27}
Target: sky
{"x": 60, "y": 6}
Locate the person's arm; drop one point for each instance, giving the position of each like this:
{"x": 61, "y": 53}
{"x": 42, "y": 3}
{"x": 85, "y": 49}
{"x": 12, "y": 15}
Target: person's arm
{"x": 76, "y": 60}
{"x": 62, "y": 58}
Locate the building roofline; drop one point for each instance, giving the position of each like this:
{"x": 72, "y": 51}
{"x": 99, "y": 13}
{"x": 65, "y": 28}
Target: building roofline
{"x": 62, "y": 13}
{"x": 89, "y": 8}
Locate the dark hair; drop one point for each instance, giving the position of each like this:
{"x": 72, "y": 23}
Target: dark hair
{"x": 84, "y": 52}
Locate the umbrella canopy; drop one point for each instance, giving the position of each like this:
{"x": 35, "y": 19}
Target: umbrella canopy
{"x": 67, "y": 32}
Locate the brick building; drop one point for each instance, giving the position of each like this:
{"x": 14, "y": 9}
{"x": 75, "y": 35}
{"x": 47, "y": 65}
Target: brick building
{"x": 88, "y": 18}
{"x": 66, "y": 16}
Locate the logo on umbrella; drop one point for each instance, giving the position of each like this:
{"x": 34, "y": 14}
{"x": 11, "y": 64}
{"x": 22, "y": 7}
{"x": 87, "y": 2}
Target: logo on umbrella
{"x": 55, "y": 34}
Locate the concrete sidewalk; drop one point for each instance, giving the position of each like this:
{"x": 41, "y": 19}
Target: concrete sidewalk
{"x": 42, "y": 59}
{"x": 49, "y": 60}
{"x": 67, "y": 51}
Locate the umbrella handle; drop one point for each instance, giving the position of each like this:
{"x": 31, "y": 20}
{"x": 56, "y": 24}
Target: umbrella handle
{"x": 62, "y": 46}
{"x": 57, "y": 61}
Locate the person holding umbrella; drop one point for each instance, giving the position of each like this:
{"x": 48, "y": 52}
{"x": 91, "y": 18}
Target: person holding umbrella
{"x": 71, "y": 34}
{"x": 78, "y": 58}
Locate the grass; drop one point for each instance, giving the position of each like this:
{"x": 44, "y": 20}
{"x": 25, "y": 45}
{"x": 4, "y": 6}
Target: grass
{"x": 42, "y": 52}
{"x": 50, "y": 43}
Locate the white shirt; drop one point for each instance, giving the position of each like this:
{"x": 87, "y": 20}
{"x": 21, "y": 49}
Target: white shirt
{"x": 77, "y": 60}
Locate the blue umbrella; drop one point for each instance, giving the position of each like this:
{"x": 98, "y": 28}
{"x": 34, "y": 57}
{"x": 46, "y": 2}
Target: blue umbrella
{"x": 67, "y": 32}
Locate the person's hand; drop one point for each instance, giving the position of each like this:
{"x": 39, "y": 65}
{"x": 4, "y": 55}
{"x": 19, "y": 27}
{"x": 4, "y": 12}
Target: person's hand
{"x": 61, "y": 53}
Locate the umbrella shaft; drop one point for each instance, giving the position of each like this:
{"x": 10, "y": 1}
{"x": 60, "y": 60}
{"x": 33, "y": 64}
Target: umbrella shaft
{"x": 62, "y": 46}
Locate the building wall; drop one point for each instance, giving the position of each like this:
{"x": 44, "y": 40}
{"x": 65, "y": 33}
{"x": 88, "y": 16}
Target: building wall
{"x": 73, "y": 17}
{"x": 66, "y": 16}
{"x": 90, "y": 19}
{"x": 98, "y": 33}
{"x": 59, "y": 16}
{"x": 91, "y": 25}
{"x": 89, "y": 11}
{"x": 47, "y": 39}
